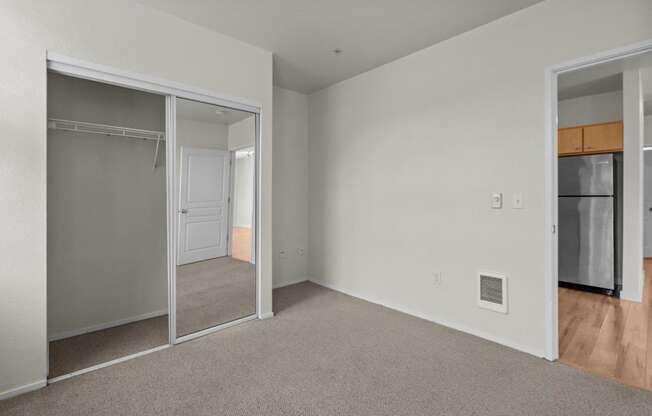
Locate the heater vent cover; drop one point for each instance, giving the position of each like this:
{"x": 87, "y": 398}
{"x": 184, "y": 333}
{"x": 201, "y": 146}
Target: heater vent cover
{"x": 492, "y": 291}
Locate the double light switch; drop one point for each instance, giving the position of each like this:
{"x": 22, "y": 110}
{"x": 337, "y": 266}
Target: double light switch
{"x": 497, "y": 200}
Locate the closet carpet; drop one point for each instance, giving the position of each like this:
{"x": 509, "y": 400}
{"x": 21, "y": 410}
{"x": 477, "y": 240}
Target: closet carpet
{"x": 209, "y": 293}
{"x": 83, "y": 351}
{"x": 326, "y": 353}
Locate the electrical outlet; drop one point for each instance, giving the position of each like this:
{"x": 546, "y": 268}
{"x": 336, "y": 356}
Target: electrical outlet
{"x": 437, "y": 278}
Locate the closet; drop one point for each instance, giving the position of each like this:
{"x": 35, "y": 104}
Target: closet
{"x": 151, "y": 220}
{"x": 106, "y": 217}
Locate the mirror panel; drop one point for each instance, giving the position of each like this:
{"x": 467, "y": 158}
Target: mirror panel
{"x": 216, "y": 273}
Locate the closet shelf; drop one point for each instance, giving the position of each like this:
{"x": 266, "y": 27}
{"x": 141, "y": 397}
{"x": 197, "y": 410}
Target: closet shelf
{"x": 107, "y": 130}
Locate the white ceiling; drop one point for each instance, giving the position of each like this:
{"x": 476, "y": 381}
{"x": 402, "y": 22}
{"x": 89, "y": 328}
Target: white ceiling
{"x": 304, "y": 33}
{"x": 208, "y": 113}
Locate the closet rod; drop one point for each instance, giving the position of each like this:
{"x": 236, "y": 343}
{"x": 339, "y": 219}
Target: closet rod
{"x": 105, "y": 129}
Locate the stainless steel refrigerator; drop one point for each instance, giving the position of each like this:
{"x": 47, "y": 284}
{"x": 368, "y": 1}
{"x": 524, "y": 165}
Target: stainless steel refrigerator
{"x": 587, "y": 205}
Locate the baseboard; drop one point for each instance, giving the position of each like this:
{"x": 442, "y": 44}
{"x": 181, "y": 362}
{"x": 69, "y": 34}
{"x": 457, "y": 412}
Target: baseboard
{"x": 266, "y": 315}
{"x": 23, "y": 389}
{"x": 106, "y": 325}
{"x": 634, "y": 295}
{"x": 438, "y": 320}
{"x": 630, "y": 296}
{"x": 290, "y": 282}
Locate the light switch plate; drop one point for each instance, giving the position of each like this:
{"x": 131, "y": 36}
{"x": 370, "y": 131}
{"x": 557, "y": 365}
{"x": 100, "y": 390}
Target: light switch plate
{"x": 517, "y": 201}
{"x": 496, "y": 200}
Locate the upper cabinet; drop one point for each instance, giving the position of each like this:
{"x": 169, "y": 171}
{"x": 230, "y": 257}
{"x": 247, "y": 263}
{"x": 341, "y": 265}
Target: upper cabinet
{"x": 591, "y": 139}
{"x": 570, "y": 140}
{"x": 604, "y": 137}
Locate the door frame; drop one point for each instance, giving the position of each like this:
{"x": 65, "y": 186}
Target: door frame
{"x": 550, "y": 187}
{"x": 232, "y": 195}
{"x": 62, "y": 64}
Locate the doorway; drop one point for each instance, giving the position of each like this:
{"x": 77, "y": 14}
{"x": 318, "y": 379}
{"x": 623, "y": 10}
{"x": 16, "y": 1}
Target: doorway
{"x": 242, "y": 225}
{"x": 600, "y": 312}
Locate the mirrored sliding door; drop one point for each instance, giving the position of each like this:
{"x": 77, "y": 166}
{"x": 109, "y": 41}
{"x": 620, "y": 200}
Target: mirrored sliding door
{"x": 215, "y": 179}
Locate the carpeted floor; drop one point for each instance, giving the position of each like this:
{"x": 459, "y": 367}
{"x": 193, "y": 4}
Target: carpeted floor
{"x": 209, "y": 293}
{"x": 83, "y": 351}
{"x": 326, "y": 353}
{"x": 213, "y": 292}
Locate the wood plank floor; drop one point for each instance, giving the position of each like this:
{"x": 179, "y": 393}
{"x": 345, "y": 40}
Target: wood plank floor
{"x": 241, "y": 248}
{"x": 608, "y": 336}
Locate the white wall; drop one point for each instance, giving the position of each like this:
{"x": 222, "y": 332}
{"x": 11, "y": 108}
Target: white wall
{"x": 242, "y": 133}
{"x": 106, "y": 210}
{"x": 647, "y": 204}
{"x": 194, "y": 133}
{"x": 201, "y": 134}
{"x": 290, "y": 186}
{"x": 647, "y": 189}
{"x": 591, "y": 109}
{"x": 243, "y": 191}
{"x": 145, "y": 42}
{"x": 403, "y": 160}
{"x": 633, "y": 197}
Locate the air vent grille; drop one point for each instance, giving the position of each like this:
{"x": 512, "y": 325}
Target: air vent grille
{"x": 492, "y": 292}
{"x": 491, "y": 289}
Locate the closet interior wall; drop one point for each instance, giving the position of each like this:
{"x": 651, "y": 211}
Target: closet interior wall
{"x": 106, "y": 211}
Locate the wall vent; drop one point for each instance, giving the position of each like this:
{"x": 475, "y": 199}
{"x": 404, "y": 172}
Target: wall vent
{"x": 492, "y": 291}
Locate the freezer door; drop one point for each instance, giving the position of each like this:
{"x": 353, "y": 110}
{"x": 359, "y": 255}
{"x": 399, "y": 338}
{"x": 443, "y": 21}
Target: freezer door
{"x": 586, "y": 241}
{"x": 586, "y": 175}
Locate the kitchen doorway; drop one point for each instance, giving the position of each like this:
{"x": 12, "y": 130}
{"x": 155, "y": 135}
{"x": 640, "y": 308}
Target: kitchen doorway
{"x": 599, "y": 309}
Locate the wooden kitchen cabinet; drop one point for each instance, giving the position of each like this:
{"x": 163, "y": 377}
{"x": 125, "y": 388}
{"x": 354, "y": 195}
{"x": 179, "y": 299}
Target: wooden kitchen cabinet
{"x": 570, "y": 141}
{"x": 601, "y": 138}
{"x": 591, "y": 139}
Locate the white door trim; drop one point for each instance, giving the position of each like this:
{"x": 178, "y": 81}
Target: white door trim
{"x": 229, "y": 248}
{"x": 69, "y": 66}
{"x": 550, "y": 187}
{"x": 171, "y": 90}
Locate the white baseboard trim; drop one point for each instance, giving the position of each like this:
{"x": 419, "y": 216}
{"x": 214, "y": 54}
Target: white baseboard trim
{"x": 438, "y": 320}
{"x": 106, "y": 325}
{"x": 290, "y": 282}
{"x": 266, "y": 315}
{"x": 631, "y": 296}
{"x": 23, "y": 389}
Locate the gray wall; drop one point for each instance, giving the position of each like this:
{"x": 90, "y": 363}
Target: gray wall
{"x": 106, "y": 224}
{"x": 290, "y": 186}
{"x": 591, "y": 109}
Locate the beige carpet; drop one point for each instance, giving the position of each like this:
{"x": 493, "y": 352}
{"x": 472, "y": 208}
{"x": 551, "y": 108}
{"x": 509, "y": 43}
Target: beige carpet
{"x": 214, "y": 292}
{"x": 208, "y": 293}
{"x": 326, "y": 353}
{"x": 83, "y": 351}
